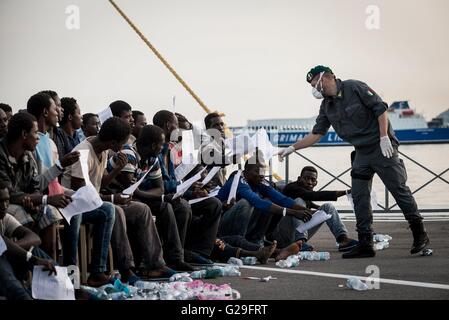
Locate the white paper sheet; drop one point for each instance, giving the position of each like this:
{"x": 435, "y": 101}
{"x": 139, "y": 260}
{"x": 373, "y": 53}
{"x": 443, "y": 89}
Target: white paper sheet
{"x": 263, "y": 143}
{"x": 131, "y": 189}
{"x": 183, "y": 170}
{"x": 105, "y": 115}
{"x": 85, "y": 199}
{"x": 84, "y": 156}
{"x": 234, "y": 185}
{"x": 2, "y": 246}
{"x": 210, "y": 175}
{"x": 374, "y": 205}
{"x": 54, "y": 287}
{"x": 183, "y": 187}
{"x": 317, "y": 218}
{"x": 212, "y": 193}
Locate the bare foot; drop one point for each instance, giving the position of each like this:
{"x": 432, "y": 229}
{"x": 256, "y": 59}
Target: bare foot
{"x": 288, "y": 251}
{"x": 264, "y": 253}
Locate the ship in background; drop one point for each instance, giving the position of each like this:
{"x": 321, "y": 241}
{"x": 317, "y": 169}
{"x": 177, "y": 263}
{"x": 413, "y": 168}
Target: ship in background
{"x": 410, "y": 128}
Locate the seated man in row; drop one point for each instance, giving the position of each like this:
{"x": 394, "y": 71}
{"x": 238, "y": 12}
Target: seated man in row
{"x": 19, "y": 258}
{"x": 205, "y": 214}
{"x": 133, "y": 216}
{"x": 49, "y": 168}
{"x": 302, "y": 191}
{"x": 256, "y": 203}
{"x": 19, "y": 170}
{"x": 142, "y": 158}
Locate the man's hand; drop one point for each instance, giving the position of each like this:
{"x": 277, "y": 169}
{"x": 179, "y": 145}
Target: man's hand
{"x": 169, "y": 198}
{"x": 343, "y": 193}
{"x": 46, "y": 264}
{"x": 121, "y": 161}
{"x": 70, "y": 158}
{"x": 227, "y": 206}
{"x": 298, "y": 207}
{"x": 28, "y": 204}
{"x": 200, "y": 193}
{"x": 122, "y": 200}
{"x": 304, "y": 215}
{"x": 59, "y": 200}
{"x": 285, "y": 152}
{"x": 386, "y": 147}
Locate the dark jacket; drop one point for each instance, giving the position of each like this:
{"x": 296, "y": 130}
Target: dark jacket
{"x": 296, "y": 190}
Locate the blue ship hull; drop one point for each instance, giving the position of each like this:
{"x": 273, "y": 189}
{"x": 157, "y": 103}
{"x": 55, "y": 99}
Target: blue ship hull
{"x": 408, "y": 136}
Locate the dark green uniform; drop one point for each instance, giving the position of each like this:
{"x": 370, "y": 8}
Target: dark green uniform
{"x": 353, "y": 114}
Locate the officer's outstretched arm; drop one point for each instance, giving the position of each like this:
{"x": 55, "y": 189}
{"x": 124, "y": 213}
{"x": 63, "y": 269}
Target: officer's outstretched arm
{"x": 307, "y": 141}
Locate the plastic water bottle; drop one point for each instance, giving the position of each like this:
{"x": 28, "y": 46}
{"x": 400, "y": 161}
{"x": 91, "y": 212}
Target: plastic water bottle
{"x": 235, "y": 261}
{"x": 200, "y": 274}
{"x": 381, "y": 245}
{"x": 184, "y": 277}
{"x": 290, "y": 262}
{"x": 314, "y": 256}
{"x": 249, "y": 261}
{"x": 356, "y": 284}
{"x": 381, "y": 237}
{"x": 230, "y": 271}
{"x": 95, "y": 293}
{"x": 146, "y": 285}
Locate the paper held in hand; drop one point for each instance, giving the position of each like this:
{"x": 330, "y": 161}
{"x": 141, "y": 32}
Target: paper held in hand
{"x": 54, "y": 287}
{"x": 318, "y": 217}
{"x": 183, "y": 187}
{"x": 234, "y": 186}
{"x": 86, "y": 198}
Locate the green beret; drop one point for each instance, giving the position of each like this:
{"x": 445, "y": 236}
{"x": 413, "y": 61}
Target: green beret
{"x": 317, "y": 70}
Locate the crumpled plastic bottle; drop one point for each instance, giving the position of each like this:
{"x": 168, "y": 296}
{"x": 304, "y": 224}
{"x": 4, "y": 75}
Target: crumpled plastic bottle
{"x": 313, "y": 255}
{"x": 356, "y": 284}
{"x": 381, "y": 237}
{"x": 290, "y": 262}
{"x": 200, "y": 274}
{"x": 235, "y": 261}
{"x": 184, "y": 277}
{"x": 95, "y": 293}
{"x": 249, "y": 261}
{"x": 381, "y": 245}
{"x": 230, "y": 271}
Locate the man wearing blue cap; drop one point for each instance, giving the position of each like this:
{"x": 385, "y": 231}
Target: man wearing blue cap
{"x": 358, "y": 116}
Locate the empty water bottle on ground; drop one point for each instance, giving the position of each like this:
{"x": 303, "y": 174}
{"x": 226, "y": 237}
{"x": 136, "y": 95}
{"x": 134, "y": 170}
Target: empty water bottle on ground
{"x": 356, "y": 284}
{"x": 314, "y": 256}
{"x": 381, "y": 237}
{"x": 235, "y": 261}
{"x": 381, "y": 245}
{"x": 230, "y": 271}
{"x": 290, "y": 262}
{"x": 183, "y": 277}
{"x": 249, "y": 261}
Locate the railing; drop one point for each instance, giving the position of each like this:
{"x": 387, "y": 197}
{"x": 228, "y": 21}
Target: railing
{"x": 387, "y": 208}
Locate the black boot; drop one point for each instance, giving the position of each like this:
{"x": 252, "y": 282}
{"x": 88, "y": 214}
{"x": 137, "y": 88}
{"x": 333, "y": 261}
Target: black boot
{"x": 364, "y": 249}
{"x": 420, "y": 238}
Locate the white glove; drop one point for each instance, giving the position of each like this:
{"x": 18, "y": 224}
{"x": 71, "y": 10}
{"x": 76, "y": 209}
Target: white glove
{"x": 386, "y": 147}
{"x": 285, "y": 152}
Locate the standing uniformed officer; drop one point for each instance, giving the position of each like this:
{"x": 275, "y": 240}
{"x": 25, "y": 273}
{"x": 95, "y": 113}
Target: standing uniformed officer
{"x": 358, "y": 116}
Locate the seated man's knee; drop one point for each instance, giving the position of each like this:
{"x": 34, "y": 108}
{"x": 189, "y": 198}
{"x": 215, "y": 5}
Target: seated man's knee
{"x": 300, "y": 202}
{"x": 328, "y": 208}
{"x": 244, "y": 204}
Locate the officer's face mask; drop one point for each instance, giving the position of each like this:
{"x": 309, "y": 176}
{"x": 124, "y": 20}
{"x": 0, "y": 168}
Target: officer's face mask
{"x": 315, "y": 92}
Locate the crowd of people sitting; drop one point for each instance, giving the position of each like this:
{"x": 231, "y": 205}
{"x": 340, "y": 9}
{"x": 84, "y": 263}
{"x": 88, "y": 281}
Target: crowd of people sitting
{"x": 156, "y": 231}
